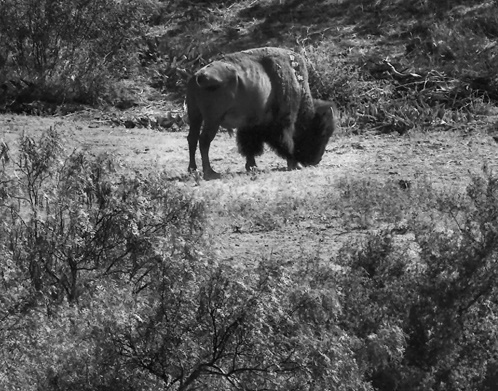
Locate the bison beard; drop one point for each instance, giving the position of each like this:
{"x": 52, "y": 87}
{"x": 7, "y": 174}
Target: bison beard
{"x": 310, "y": 142}
{"x": 264, "y": 93}
{"x": 251, "y": 140}
{"x": 307, "y": 147}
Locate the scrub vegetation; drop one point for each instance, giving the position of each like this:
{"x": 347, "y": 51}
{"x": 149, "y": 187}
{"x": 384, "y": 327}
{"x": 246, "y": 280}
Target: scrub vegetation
{"x": 375, "y": 270}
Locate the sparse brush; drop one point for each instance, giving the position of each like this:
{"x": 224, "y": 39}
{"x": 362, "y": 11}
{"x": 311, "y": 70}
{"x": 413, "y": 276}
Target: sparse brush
{"x": 72, "y": 59}
{"x": 436, "y": 281}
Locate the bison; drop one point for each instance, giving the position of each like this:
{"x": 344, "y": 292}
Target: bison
{"x": 265, "y": 94}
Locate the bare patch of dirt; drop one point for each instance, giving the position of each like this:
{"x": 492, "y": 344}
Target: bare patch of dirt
{"x": 444, "y": 158}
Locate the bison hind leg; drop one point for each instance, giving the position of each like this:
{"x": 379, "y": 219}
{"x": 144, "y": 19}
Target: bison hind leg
{"x": 251, "y": 143}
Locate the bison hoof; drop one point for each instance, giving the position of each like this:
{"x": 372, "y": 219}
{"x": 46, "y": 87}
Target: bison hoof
{"x": 210, "y": 175}
{"x": 250, "y": 164}
{"x": 293, "y": 165}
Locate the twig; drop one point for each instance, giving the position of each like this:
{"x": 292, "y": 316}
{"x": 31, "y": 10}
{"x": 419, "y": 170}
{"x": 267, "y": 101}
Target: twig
{"x": 399, "y": 74}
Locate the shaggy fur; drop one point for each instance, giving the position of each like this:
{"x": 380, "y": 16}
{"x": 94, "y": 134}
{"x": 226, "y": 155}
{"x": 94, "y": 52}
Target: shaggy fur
{"x": 264, "y": 93}
{"x": 311, "y": 138}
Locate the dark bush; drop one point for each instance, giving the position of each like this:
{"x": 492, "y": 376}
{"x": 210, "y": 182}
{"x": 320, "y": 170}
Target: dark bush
{"x": 59, "y": 51}
{"x": 438, "y": 285}
{"x": 107, "y": 284}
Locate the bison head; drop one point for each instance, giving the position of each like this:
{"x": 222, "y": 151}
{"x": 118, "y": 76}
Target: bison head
{"x": 311, "y": 139}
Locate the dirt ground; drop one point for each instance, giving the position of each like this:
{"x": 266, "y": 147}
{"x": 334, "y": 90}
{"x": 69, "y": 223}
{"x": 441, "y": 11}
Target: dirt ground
{"x": 443, "y": 157}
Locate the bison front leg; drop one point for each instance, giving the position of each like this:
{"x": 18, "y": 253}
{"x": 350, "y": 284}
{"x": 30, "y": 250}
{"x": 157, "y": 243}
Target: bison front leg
{"x": 207, "y": 135}
{"x": 287, "y": 145}
{"x": 250, "y": 141}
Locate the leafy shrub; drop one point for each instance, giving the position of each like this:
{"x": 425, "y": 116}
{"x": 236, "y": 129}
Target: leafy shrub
{"x": 67, "y": 50}
{"x": 437, "y": 285}
{"x": 73, "y": 234}
{"x": 236, "y": 327}
{"x": 442, "y": 72}
{"x": 106, "y": 283}
{"x": 104, "y": 286}
{"x": 87, "y": 221}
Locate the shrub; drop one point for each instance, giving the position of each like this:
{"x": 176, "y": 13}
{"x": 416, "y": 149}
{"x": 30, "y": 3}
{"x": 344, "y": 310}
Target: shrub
{"x": 104, "y": 286}
{"x": 73, "y": 235}
{"x": 229, "y": 326}
{"x": 68, "y": 217}
{"x": 67, "y": 50}
{"x": 437, "y": 285}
